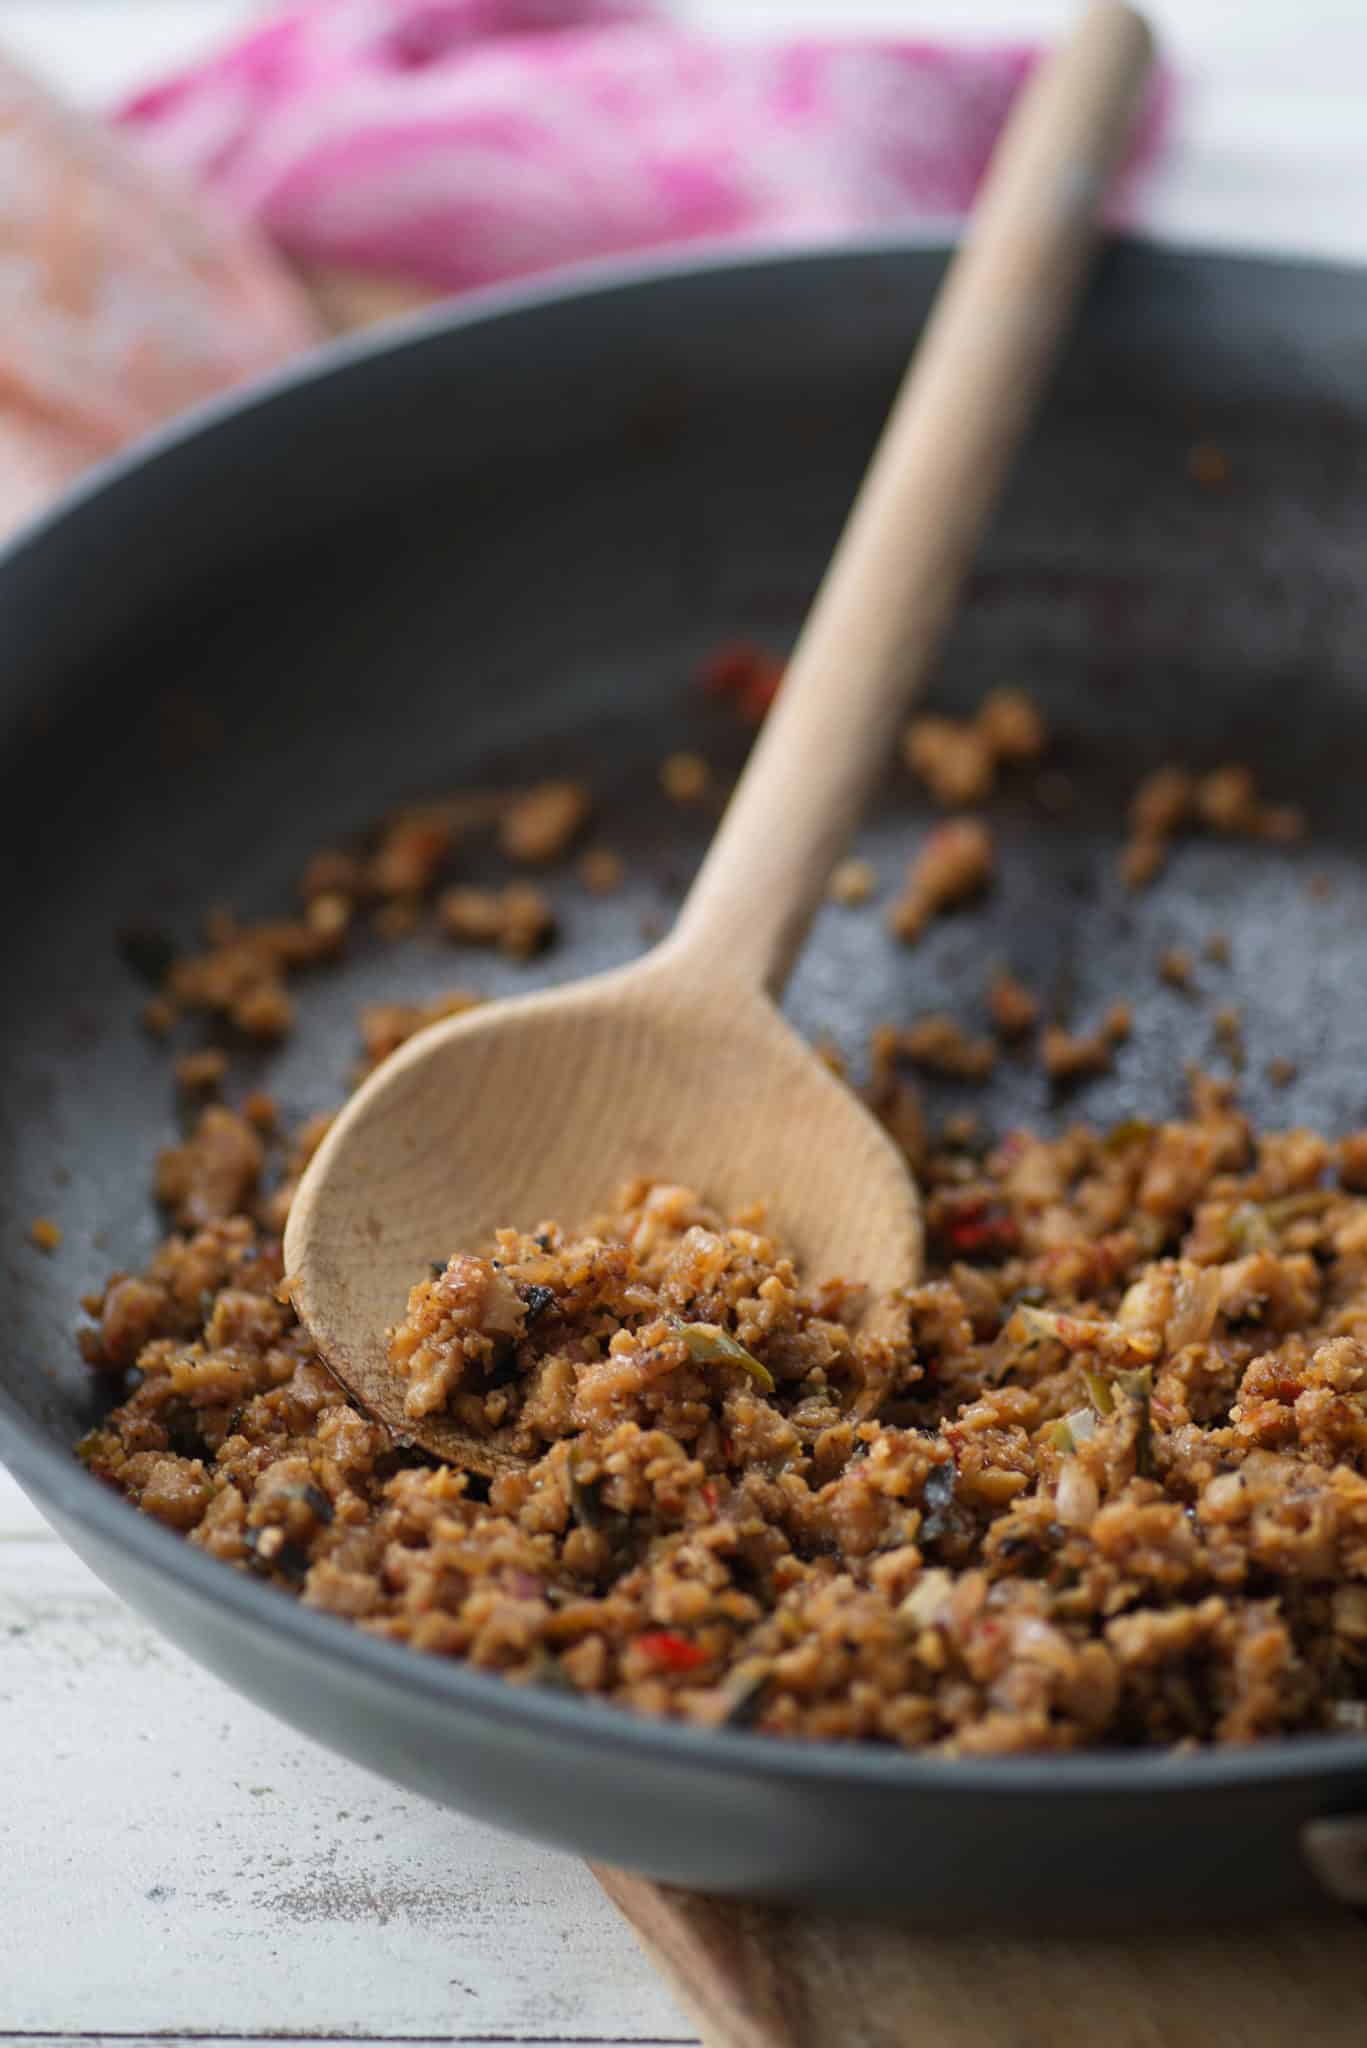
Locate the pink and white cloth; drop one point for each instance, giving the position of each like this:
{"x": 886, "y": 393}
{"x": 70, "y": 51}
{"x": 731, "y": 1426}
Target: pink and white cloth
{"x": 459, "y": 142}
{"x": 435, "y": 143}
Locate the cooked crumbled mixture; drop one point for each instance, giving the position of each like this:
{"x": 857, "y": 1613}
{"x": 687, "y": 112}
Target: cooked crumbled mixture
{"x": 892, "y": 1098}
{"x": 601, "y": 871}
{"x": 954, "y": 864}
{"x": 260, "y": 1109}
{"x": 201, "y": 1072}
{"x": 1229, "y": 1035}
{"x": 214, "y": 1173}
{"x": 387, "y": 1026}
{"x": 951, "y": 758}
{"x": 239, "y": 975}
{"x": 1208, "y": 465}
{"x": 685, "y": 778}
{"x": 411, "y": 855}
{"x": 159, "y": 1016}
{"x": 519, "y": 920}
{"x": 853, "y": 882}
{"x": 1101, "y": 1479}
{"x": 540, "y": 826}
{"x": 1013, "y": 726}
{"x": 1225, "y": 801}
{"x": 46, "y": 1234}
{"x": 1177, "y": 968}
{"x": 940, "y": 1044}
{"x": 397, "y": 919}
{"x": 1015, "y": 1012}
{"x": 1072, "y": 1056}
{"x": 957, "y": 759}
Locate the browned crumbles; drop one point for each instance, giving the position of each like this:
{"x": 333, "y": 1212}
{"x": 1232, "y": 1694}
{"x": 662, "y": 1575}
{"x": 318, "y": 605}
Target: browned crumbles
{"x": 955, "y": 863}
{"x": 1225, "y": 801}
{"x": 940, "y": 1044}
{"x": 519, "y": 920}
{"x": 1014, "y": 1010}
{"x": 214, "y": 1173}
{"x": 45, "y": 1234}
{"x": 853, "y": 882}
{"x": 201, "y": 1072}
{"x": 601, "y": 871}
{"x": 159, "y": 1016}
{"x": 1229, "y": 1034}
{"x": 542, "y": 825}
{"x": 1177, "y": 968}
{"x": 1100, "y": 1480}
{"x": 892, "y": 1098}
{"x": 1208, "y": 465}
{"x": 685, "y": 778}
{"x": 387, "y": 1026}
{"x": 958, "y": 759}
{"x": 398, "y": 878}
{"x": 1068, "y": 1056}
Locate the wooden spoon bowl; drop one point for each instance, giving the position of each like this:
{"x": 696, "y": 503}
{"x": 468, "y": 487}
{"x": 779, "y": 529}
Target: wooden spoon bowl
{"x": 542, "y": 1108}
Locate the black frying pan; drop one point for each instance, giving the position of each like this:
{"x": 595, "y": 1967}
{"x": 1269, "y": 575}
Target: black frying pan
{"x": 496, "y": 544}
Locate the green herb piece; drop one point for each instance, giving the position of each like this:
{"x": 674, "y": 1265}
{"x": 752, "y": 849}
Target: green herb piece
{"x": 585, "y": 1498}
{"x": 709, "y": 1344}
{"x": 1076, "y": 1428}
{"x": 548, "y": 1671}
{"x": 1100, "y": 1392}
{"x": 745, "y": 1692}
{"x": 1289, "y": 1208}
{"x": 1249, "y": 1229}
{"x": 1131, "y": 1130}
{"x": 1137, "y": 1387}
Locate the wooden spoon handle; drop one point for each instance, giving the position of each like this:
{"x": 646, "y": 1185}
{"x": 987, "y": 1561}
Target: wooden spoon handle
{"x": 761, "y": 1977}
{"x": 888, "y": 593}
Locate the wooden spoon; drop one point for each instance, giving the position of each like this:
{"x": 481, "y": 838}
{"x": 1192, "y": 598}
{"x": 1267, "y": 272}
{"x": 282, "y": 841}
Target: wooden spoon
{"x": 680, "y": 1066}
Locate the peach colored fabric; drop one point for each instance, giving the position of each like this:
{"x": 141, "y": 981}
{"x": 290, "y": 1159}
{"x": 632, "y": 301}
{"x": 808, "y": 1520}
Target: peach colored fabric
{"x": 122, "y": 298}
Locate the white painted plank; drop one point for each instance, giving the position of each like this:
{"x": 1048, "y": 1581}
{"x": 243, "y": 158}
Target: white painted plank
{"x": 189, "y": 1866}
{"x": 18, "y": 1516}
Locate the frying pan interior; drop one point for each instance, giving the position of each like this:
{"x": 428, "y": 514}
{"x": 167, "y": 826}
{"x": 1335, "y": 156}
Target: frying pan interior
{"x": 498, "y": 546}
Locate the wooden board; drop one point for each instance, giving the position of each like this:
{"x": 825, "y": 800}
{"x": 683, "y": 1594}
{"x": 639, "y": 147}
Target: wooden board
{"x": 757, "y": 1977}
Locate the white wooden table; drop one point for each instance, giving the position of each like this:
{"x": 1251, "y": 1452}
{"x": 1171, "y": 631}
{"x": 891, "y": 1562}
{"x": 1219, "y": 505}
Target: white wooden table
{"x": 174, "y": 1865}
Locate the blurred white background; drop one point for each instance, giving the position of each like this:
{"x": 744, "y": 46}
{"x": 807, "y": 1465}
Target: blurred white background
{"x": 1269, "y": 149}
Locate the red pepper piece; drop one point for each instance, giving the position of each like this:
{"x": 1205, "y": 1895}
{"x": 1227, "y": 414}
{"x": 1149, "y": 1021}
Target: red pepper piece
{"x": 977, "y": 1230}
{"x": 669, "y": 1651}
{"x": 746, "y": 673}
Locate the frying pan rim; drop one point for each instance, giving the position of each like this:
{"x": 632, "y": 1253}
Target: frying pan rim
{"x": 54, "y": 1476}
